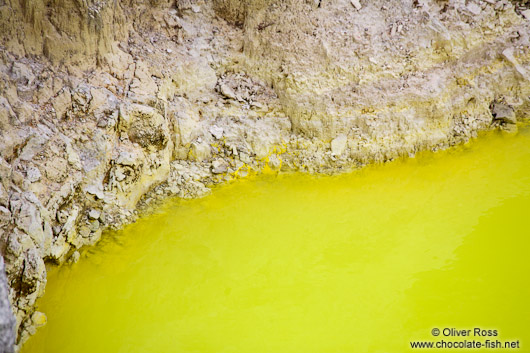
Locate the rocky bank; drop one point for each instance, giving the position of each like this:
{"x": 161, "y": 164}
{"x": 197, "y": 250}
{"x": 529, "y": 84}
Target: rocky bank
{"x": 108, "y": 105}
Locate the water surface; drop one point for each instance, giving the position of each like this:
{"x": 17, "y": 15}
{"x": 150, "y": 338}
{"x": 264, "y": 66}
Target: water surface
{"x": 364, "y": 262}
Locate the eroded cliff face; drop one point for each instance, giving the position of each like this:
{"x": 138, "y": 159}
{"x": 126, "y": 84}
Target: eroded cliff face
{"x": 106, "y": 106}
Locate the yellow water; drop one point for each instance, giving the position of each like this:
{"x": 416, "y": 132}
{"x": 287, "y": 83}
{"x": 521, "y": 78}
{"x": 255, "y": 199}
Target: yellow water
{"x": 364, "y": 262}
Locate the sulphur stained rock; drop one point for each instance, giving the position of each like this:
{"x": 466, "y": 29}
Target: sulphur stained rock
{"x": 274, "y": 162}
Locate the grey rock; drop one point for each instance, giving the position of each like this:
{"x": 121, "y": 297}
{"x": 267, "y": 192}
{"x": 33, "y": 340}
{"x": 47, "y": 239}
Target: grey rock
{"x": 7, "y": 319}
{"x": 504, "y": 113}
{"x": 33, "y": 174}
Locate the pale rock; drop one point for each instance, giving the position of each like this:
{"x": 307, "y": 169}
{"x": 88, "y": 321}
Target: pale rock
{"x": 62, "y": 102}
{"x": 227, "y": 91}
{"x": 56, "y": 169}
{"x": 22, "y": 73}
{"x": 69, "y": 225}
{"x": 94, "y": 214}
{"x": 216, "y": 131}
{"x": 4, "y": 196}
{"x": 274, "y": 162}
{"x": 5, "y": 216}
{"x": 199, "y": 151}
{"x": 59, "y": 248}
{"x": 25, "y": 112}
{"x": 338, "y": 145}
{"x": 504, "y": 113}
{"x": 73, "y": 157}
{"x": 128, "y": 158}
{"x": 145, "y": 126}
{"x": 34, "y": 145}
{"x": 219, "y": 166}
{"x": 474, "y": 8}
{"x": 34, "y": 271}
{"x": 7, "y": 319}
{"x": 84, "y": 232}
{"x": 103, "y": 102}
{"x": 195, "y": 78}
{"x": 96, "y": 190}
{"x": 187, "y": 126}
{"x": 6, "y": 114}
{"x": 356, "y": 4}
{"x": 74, "y": 258}
{"x": 143, "y": 88}
{"x": 508, "y": 54}
{"x": 28, "y": 219}
{"x": 244, "y": 157}
{"x": 94, "y": 225}
{"x": 39, "y": 319}
{"x": 33, "y": 174}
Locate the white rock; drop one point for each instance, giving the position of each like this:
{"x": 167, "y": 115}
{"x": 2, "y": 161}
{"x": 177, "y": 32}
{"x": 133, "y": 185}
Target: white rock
{"x": 526, "y": 14}
{"x": 219, "y": 166}
{"x": 216, "y": 131}
{"x": 96, "y": 190}
{"x": 509, "y": 55}
{"x": 474, "y": 8}
{"x": 227, "y": 91}
{"x": 356, "y": 4}
{"x": 338, "y": 145}
{"x": 94, "y": 214}
{"x": 34, "y": 145}
{"x": 33, "y": 174}
{"x": 200, "y": 151}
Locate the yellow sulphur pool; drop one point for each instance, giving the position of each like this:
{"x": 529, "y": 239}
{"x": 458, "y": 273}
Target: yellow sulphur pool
{"x": 371, "y": 261}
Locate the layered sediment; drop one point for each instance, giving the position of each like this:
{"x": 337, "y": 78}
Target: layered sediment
{"x": 106, "y": 106}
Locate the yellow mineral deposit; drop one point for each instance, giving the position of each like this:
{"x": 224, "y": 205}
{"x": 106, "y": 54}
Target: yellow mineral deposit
{"x": 370, "y": 261}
